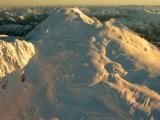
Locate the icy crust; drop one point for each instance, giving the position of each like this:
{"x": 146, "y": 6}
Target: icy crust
{"x": 14, "y": 56}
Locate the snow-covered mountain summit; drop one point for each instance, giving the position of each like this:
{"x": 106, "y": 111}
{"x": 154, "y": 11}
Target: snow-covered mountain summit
{"x": 84, "y": 69}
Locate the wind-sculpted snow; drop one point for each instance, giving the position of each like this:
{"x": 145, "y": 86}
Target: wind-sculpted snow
{"x": 127, "y": 63}
{"x": 14, "y": 56}
{"x": 85, "y": 70}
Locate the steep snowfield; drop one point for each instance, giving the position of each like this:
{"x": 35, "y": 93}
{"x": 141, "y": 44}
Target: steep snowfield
{"x": 84, "y": 70}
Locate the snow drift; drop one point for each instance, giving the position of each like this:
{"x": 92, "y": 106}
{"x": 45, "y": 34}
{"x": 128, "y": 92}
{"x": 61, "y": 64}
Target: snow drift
{"x": 84, "y": 69}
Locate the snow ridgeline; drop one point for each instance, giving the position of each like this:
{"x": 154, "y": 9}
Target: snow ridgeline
{"x": 87, "y": 70}
{"x": 127, "y": 64}
{"x": 14, "y": 55}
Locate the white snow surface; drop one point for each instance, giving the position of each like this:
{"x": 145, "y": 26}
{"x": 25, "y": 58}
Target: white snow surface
{"x": 84, "y": 69}
{"x": 14, "y": 56}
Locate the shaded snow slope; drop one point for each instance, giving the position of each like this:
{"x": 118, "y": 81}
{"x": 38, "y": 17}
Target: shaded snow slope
{"x": 85, "y": 70}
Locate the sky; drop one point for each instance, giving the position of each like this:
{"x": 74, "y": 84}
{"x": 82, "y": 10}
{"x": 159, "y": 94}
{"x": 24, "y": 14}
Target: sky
{"x": 79, "y": 2}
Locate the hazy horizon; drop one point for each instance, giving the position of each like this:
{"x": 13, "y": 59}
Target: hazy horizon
{"x": 72, "y": 2}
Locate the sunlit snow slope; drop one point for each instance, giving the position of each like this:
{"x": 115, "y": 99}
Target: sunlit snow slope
{"x": 14, "y": 55}
{"x": 84, "y": 70}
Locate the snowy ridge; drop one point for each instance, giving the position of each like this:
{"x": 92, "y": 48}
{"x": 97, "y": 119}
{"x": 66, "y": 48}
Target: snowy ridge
{"x": 14, "y": 56}
{"x": 84, "y": 17}
{"x": 85, "y": 70}
{"x": 139, "y": 97}
{"x": 120, "y": 56}
{"x": 130, "y": 44}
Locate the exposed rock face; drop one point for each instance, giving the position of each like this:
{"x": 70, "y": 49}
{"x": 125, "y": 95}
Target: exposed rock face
{"x": 14, "y": 56}
{"x": 86, "y": 70}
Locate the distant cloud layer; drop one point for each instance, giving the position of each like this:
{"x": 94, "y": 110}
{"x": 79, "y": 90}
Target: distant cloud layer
{"x": 78, "y": 2}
